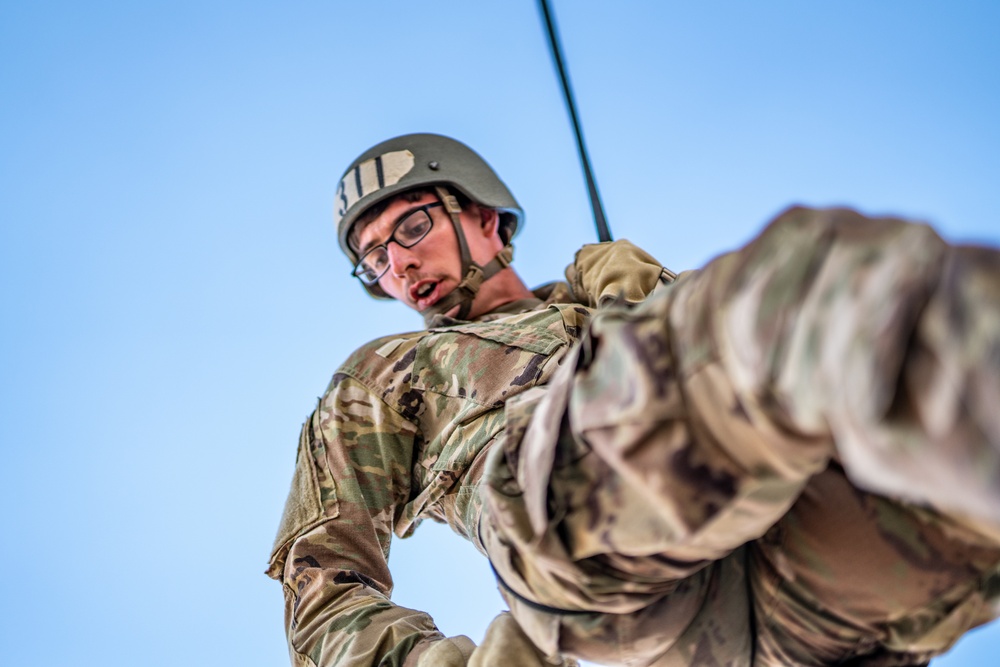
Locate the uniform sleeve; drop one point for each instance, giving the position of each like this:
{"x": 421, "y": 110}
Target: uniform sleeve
{"x": 712, "y": 404}
{"x": 352, "y": 475}
{"x": 603, "y": 273}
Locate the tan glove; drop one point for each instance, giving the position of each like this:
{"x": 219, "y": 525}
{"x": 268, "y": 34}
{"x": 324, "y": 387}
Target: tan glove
{"x": 450, "y": 652}
{"x": 602, "y": 273}
{"x": 506, "y": 645}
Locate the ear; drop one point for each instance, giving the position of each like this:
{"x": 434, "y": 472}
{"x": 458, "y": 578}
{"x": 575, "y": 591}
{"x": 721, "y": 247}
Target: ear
{"x": 489, "y": 220}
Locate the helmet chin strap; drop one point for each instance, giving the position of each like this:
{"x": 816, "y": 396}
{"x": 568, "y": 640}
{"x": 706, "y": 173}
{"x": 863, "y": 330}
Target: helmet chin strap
{"x": 474, "y": 274}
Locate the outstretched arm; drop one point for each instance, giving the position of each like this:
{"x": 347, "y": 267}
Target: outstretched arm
{"x": 831, "y": 335}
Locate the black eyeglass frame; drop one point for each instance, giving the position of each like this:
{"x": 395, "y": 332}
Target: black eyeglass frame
{"x": 359, "y": 271}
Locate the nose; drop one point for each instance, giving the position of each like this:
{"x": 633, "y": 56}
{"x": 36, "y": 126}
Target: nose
{"x": 401, "y": 259}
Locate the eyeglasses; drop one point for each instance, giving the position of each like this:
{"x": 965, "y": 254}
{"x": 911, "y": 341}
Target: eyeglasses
{"x": 408, "y": 232}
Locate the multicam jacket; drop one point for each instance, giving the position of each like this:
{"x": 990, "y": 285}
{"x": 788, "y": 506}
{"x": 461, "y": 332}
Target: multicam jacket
{"x": 401, "y": 435}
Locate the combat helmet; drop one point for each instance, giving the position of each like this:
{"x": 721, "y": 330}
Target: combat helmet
{"x": 434, "y": 162}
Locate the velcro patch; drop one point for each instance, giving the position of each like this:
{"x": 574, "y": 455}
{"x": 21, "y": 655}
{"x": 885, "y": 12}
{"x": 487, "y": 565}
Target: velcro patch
{"x": 371, "y": 176}
{"x": 386, "y": 350}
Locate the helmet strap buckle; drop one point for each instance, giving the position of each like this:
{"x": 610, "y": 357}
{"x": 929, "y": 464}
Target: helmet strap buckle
{"x": 473, "y": 280}
{"x": 449, "y": 200}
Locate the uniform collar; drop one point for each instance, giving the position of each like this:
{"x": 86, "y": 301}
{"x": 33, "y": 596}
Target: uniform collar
{"x": 543, "y": 295}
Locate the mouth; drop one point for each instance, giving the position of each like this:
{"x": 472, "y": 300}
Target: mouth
{"x": 424, "y": 293}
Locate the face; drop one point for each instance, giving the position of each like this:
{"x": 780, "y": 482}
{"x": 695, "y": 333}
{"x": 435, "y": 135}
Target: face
{"x": 424, "y": 273}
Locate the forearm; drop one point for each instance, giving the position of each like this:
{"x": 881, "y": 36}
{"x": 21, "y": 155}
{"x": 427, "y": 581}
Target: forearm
{"x": 872, "y": 332}
{"x": 339, "y": 616}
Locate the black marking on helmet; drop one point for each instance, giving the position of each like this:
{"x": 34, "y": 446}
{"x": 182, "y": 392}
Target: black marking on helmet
{"x": 343, "y": 198}
{"x": 357, "y": 181}
{"x": 378, "y": 170}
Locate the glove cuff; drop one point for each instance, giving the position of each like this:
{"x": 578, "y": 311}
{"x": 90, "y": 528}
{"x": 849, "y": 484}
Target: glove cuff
{"x": 450, "y": 652}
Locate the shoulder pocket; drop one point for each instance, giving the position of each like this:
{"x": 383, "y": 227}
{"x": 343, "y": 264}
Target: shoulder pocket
{"x": 311, "y": 500}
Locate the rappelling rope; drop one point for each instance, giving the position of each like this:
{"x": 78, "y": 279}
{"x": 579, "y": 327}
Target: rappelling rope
{"x": 603, "y": 232}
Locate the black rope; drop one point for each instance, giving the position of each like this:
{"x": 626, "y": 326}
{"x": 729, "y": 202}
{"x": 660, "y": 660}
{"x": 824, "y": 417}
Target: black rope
{"x": 545, "y": 609}
{"x": 603, "y": 233}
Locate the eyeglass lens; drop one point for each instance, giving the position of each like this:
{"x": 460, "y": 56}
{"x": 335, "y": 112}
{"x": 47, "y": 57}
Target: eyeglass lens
{"x": 408, "y": 232}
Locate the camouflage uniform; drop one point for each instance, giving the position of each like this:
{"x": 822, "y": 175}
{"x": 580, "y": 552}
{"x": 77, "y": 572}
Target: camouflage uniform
{"x": 675, "y": 493}
{"x": 401, "y": 435}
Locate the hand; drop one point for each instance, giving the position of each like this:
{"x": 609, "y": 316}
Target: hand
{"x": 604, "y": 273}
{"x": 506, "y": 645}
{"x": 450, "y": 652}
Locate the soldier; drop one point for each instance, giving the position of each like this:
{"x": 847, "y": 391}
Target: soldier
{"x": 789, "y": 457}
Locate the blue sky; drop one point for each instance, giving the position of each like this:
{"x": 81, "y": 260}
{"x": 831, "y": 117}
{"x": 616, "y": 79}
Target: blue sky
{"x": 173, "y": 300}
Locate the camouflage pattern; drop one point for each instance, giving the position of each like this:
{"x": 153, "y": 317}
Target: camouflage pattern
{"x": 759, "y": 465}
{"x": 786, "y": 458}
{"x": 397, "y": 438}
